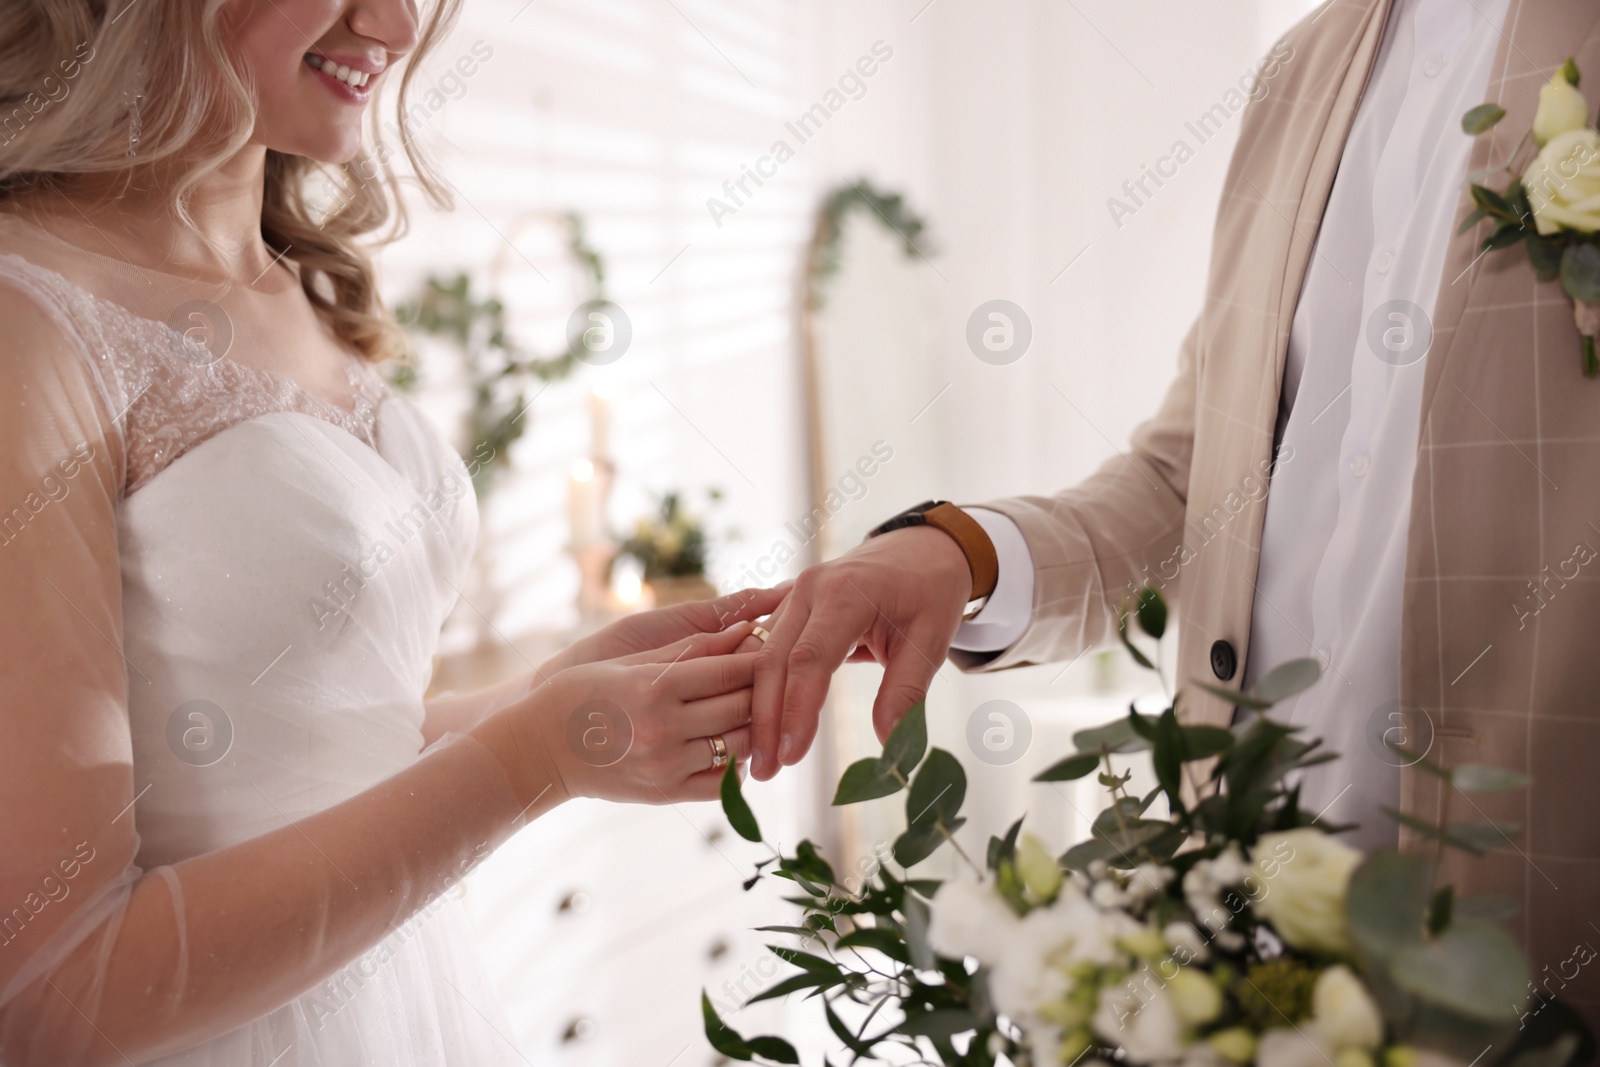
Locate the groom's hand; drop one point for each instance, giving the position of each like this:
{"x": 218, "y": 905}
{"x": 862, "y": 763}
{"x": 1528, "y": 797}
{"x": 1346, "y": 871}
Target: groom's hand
{"x": 899, "y": 596}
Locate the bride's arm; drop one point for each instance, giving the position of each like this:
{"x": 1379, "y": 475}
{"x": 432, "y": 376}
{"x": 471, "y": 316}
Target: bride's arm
{"x": 101, "y": 962}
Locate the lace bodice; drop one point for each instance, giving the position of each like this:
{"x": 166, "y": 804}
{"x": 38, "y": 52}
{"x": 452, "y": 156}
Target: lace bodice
{"x": 164, "y": 392}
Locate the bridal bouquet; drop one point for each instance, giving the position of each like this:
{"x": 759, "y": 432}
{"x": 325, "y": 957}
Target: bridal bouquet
{"x": 1233, "y": 931}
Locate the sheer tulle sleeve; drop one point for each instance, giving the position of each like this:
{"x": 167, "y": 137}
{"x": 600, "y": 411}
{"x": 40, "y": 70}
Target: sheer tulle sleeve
{"x": 100, "y": 961}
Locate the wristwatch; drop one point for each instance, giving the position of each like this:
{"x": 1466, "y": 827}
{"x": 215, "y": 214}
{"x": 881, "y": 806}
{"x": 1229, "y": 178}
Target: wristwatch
{"x": 982, "y": 560}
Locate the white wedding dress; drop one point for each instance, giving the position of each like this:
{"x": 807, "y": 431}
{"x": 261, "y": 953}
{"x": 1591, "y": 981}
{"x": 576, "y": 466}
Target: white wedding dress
{"x": 284, "y": 564}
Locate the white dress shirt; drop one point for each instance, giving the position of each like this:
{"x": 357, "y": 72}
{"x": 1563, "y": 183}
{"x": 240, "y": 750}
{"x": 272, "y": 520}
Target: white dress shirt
{"x": 1333, "y": 547}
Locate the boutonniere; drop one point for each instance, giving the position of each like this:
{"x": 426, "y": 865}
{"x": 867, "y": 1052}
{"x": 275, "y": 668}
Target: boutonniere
{"x": 1553, "y": 205}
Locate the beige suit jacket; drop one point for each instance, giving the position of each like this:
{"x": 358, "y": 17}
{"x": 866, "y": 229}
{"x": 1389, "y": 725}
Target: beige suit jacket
{"x": 1507, "y": 482}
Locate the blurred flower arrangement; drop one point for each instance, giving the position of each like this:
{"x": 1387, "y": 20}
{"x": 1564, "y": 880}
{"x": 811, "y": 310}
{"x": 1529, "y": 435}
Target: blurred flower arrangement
{"x": 1553, "y": 206}
{"x": 670, "y": 548}
{"x": 499, "y": 369}
{"x": 1234, "y": 931}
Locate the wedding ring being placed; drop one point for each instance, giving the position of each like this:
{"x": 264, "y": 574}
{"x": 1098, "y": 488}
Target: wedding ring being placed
{"x": 761, "y": 632}
{"x": 719, "y": 752}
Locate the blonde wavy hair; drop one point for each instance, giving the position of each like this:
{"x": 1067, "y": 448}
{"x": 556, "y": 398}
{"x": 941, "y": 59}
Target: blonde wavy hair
{"x": 67, "y": 68}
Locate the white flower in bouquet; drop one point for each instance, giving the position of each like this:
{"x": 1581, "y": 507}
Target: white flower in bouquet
{"x": 1187, "y": 944}
{"x": 1283, "y": 1047}
{"x": 1140, "y": 1016}
{"x": 969, "y": 920}
{"x": 1147, "y": 880}
{"x": 1039, "y": 870}
{"x": 1343, "y": 1013}
{"x": 1202, "y": 891}
{"x": 1037, "y": 953}
{"x": 1303, "y": 893}
{"x": 1195, "y": 996}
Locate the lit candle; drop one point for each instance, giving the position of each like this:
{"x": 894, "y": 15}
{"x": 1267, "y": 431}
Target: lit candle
{"x": 582, "y": 510}
{"x": 599, "y": 425}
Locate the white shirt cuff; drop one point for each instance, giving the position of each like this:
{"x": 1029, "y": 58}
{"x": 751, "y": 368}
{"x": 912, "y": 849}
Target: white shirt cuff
{"x": 1008, "y": 611}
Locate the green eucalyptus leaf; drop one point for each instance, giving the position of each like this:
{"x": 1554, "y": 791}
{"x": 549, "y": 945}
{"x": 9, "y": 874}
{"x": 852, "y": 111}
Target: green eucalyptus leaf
{"x": 865, "y": 779}
{"x": 802, "y": 932}
{"x": 1167, "y": 757}
{"x": 1441, "y": 908}
{"x": 937, "y": 791}
{"x": 795, "y": 983}
{"x": 1492, "y": 203}
{"x": 1004, "y": 848}
{"x": 842, "y": 1032}
{"x": 775, "y": 1049}
{"x": 1477, "y": 216}
{"x": 1544, "y": 253}
{"x": 920, "y": 842}
{"x": 1122, "y": 810}
{"x": 1504, "y": 236}
{"x": 1233, "y": 696}
{"x": 1151, "y": 611}
{"x": 1426, "y": 829}
{"x": 917, "y": 917}
{"x": 1138, "y": 657}
{"x": 740, "y": 817}
{"x": 1069, "y": 769}
{"x": 721, "y": 1036}
{"x": 1580, "y": 272}
{"x": 878, "y": 938}
{"x": 1476, "y": 778}
{"x": 805, "y": 960}
{"x": 1203, "y": 742}
{"x": 1474, "y": 968}
{"x": 943, "y": 1022}
{"x": 1116, "y": 736}
{"x": 1485, "y": 833}
{"x": 908, "y": 740}
{"x": 1387, "y": 903}
{"x": 1287, "y": 679}
{"x": 1079, "y": 856}
{"x": 1482, "y": 118}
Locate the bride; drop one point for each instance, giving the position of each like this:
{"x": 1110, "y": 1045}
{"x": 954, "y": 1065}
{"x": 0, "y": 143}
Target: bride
{"x": 230, "y": 818}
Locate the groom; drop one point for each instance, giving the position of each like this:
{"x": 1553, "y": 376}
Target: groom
{"x": 1433, "y": 451}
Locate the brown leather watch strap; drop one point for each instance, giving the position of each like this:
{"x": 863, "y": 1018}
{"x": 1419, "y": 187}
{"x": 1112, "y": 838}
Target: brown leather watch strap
{"x": 981, "y": 556}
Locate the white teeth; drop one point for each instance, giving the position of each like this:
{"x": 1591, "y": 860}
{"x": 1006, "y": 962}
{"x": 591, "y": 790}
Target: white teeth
{"x": 345, "y": 74}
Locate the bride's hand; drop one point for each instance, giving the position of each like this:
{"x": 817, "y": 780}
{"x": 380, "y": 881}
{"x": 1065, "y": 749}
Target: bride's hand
{"x": 634, "y": 729}
{"x": 652, "y": 630}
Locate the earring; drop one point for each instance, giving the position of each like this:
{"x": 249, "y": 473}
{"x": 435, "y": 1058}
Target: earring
{"x": 132, "y": 100}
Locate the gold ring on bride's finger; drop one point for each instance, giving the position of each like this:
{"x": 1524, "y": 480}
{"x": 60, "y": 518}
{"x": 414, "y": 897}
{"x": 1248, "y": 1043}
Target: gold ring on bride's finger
{"x": 719, "y": 752}
{"x": 761, "y": 632}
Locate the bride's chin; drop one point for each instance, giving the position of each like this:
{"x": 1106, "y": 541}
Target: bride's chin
{"x": 333, "y": 143}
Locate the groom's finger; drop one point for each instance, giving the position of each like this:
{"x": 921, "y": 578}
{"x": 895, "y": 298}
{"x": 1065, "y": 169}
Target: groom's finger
{"x": 829, "y": 635}
{"x": 906, "y": 678}
{"x": 772, "y": 664}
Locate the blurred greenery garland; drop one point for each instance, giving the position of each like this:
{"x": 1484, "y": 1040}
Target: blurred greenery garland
{"x": 500, "y": 369}
{"x": 890, "y": 209}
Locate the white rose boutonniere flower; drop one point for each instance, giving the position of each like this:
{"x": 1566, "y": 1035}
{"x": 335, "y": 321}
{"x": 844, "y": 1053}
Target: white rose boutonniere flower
{"x": 1553, "y": 205}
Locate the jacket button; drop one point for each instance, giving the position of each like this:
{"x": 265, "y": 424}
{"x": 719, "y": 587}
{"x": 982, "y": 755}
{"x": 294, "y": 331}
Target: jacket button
{"x": 1224, "y": 661}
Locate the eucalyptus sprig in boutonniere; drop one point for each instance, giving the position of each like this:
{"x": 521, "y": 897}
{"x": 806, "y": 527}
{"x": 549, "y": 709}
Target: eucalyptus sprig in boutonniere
{"x": 1554, "y": 204}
